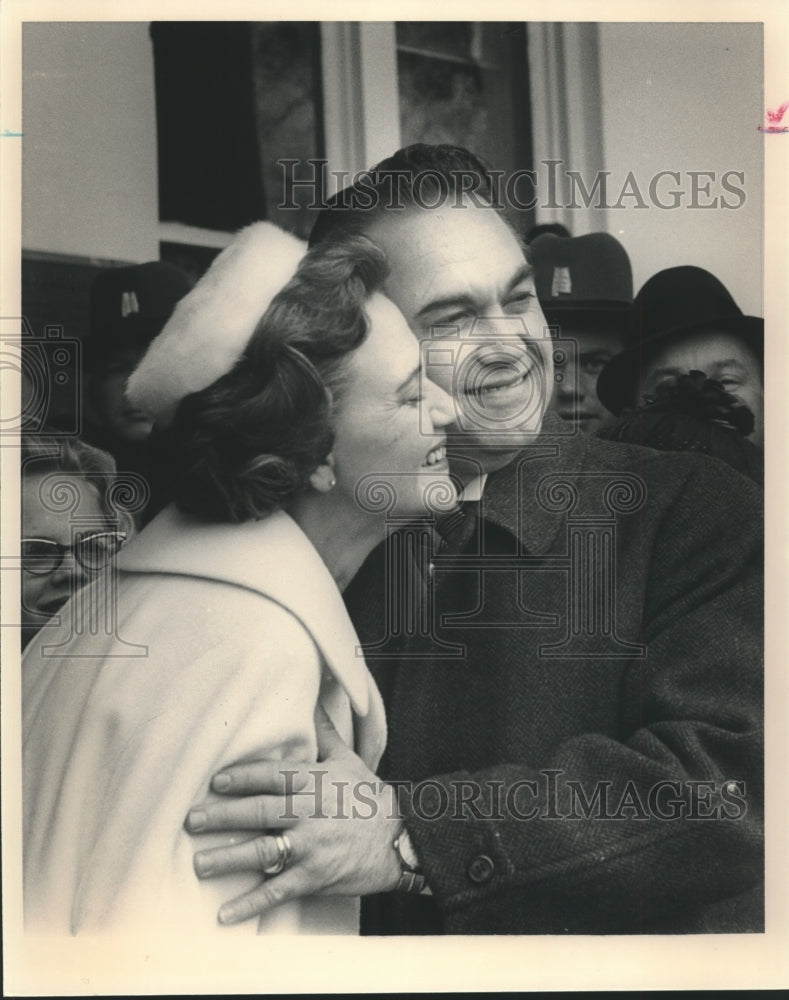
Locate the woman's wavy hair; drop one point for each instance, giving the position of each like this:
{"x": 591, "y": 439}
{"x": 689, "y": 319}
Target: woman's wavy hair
{"x": 248, "y": 443}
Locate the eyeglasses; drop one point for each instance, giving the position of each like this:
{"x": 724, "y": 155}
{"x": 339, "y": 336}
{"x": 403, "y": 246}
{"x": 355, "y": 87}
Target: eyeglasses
{"x": 42, "y": 556}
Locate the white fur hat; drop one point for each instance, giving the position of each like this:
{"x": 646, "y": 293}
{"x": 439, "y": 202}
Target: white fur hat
{"x": 212, "y": 324}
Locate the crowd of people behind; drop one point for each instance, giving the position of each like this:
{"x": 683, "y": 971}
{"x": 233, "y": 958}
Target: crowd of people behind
{"x": 258, "y": 360}
{"x": 678, "y": 367}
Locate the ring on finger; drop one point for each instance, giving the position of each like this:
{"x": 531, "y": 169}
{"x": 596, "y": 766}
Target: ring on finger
{"x": 284, "y": 851}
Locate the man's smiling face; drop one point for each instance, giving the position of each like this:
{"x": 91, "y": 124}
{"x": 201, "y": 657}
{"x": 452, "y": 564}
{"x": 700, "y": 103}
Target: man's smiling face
{"x": 459, "y": 276}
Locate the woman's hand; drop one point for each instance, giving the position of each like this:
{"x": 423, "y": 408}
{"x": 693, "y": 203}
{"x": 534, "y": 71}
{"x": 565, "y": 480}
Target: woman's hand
{"x": 341, "y": 823}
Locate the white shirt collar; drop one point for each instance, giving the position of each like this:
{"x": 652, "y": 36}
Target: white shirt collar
{"x": 474, "y": 489}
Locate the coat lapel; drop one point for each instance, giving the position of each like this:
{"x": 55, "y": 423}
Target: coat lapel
{"x": 510, "y": 498}
{"x": 273, "y": 557}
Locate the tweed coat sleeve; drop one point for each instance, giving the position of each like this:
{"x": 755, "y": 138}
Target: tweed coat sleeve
{"x": 664, "y": 812}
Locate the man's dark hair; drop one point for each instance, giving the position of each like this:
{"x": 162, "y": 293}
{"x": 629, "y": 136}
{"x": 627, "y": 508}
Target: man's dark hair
{"x": 546, "y": 228}
{"x": 419, "y": 175}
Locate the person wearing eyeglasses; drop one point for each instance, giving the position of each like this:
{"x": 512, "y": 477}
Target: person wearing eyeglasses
{"x": 67, "y": 533}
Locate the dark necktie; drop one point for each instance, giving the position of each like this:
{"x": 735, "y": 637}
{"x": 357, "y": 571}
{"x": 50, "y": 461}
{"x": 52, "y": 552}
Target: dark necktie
{"x": 456, "y": 528}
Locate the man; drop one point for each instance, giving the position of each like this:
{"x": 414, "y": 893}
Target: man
{"x": 128, "y": 309}
{"x": 686, "y": 320}
{"x": 585, "y": 288}
{"x": 556, "y": 740}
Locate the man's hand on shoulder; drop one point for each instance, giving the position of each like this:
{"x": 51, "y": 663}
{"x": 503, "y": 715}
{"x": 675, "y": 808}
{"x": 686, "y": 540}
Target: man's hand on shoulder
{"x": 340, "y": 820}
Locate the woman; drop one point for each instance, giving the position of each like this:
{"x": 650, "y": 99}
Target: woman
{"x": 231, "y": 597}
{"x": 70, "y": 530}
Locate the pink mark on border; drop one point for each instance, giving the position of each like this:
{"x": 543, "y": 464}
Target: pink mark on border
{"x": 773, "y": 119}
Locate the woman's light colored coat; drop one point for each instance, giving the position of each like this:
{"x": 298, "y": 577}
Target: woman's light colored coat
{"x": 213, "y": 644}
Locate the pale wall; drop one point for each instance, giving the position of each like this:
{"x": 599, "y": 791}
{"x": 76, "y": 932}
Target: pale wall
{"x": 674, "y": 97}
{"x": 89, "y": 153}
{"x": 687, "y": 97}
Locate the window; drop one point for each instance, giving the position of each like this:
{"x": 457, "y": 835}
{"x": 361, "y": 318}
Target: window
{"x": 232, "y": 98}
{"x": 466, "y": 83}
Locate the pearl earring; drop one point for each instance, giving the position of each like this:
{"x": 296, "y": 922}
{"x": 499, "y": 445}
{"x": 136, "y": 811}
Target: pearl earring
{"x": 332, "y": 483}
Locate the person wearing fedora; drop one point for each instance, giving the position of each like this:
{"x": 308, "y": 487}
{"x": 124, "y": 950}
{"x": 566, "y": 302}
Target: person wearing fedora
{"x": 585, "y": 288}
{"x": 684, "y": 319}
{"x": 693, "y": 413}
{"x": 129, "y": 306}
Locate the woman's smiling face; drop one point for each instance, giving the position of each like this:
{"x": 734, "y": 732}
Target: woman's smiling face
{"x": 389, "y": 428}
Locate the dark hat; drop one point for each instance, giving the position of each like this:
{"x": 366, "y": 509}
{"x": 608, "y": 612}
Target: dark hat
{"x": 674, "y": 303}
{"x": 130, "y": 305}
{"x": 587, "y": 276}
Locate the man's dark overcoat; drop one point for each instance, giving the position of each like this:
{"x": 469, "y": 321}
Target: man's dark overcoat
{"x": 583, "y": 741}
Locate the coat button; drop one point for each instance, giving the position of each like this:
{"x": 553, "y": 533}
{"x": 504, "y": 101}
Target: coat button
{"x": 481, "y": 869}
